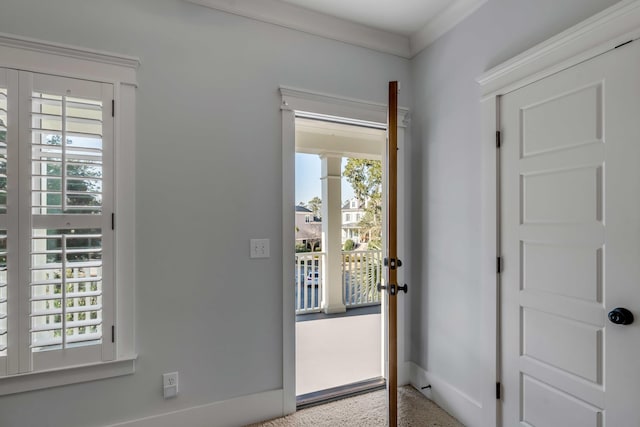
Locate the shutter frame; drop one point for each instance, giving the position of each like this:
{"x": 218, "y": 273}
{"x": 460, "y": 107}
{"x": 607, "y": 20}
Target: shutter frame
{"x": 83, "y": 312}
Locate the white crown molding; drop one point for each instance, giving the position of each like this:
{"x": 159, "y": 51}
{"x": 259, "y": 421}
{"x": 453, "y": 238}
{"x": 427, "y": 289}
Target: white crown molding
{"x": 308, "y": 21}
{"x": 20, "y": 52}
{"x": 298, "y": 18}
{"x": 442, "y": 23}
{"x": 602, "y": 32}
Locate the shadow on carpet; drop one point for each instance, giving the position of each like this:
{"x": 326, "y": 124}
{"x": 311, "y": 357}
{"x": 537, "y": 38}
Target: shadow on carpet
{"x": 370, "y": 410}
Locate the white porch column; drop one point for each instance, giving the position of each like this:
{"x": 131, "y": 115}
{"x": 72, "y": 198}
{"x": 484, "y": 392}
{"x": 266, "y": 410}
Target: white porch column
{"x": 331, "y": 234}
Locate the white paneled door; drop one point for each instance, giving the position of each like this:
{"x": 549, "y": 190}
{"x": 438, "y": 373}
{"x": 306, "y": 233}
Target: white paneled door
{"x": 570, "y": 237}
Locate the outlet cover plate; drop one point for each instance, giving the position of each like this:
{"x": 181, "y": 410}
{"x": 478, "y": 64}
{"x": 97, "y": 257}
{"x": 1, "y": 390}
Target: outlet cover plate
{"x": 170, "y": 379}
{"x": 170, "y": 385}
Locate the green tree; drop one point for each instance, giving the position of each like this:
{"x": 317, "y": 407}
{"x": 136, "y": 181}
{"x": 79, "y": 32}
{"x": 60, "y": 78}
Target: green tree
{"x": 79, "y": 180}
{"x": 365, "y": 177}
{"x": 371, "y": 227}
{"x": 3, "y": 132}
{"x": 302, "y": 247}
{"x": 349, "y": 245}
{"x": 315, "y": 206}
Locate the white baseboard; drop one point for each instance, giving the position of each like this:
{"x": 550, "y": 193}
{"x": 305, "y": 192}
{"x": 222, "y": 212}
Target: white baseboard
{"x": 404, "y": 373}
{"x": 228, "y": 413}
{"x": 461, "y": 406}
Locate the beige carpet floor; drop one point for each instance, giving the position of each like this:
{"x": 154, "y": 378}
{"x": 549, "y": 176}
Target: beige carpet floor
{"x": 370, "y": 410}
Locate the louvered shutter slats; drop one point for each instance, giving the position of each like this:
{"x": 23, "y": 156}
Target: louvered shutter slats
{"x": 3, "y": 210}
{"x": 67, "y": 179}
{"x": 56, "y": 282}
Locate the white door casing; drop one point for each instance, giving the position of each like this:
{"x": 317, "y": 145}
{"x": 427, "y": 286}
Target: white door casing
{"x": 570, "y": 186}
{"x": 293, "y": 100}
{"x": 601, "y": 33}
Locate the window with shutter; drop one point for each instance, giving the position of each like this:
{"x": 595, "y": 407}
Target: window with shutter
{"x": 58, "y": 251}
{"x": 58, "y": 211}
{"x": 70, "y": 182}
{"x": 4, "y": 309}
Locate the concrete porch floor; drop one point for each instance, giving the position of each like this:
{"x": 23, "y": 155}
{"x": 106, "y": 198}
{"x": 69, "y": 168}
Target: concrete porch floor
{"x": 334, "y": 351}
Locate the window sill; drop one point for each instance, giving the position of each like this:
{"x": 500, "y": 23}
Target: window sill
{"x": 72, "y": 375}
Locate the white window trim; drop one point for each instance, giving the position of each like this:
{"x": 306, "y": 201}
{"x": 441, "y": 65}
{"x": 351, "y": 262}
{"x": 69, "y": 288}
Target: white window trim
{"x": 27, "y": 54}
{"x": 69, "y": 375}
{"x": 38, "y": 56}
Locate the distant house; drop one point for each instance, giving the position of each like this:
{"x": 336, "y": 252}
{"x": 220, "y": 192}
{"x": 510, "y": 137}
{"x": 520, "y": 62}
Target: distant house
{"x": 308, "y": 228}
{"x": 352, "y": 212}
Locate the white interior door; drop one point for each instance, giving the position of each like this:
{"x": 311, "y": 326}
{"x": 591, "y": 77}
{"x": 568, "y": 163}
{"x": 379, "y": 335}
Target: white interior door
{"x": 571, "y": 245}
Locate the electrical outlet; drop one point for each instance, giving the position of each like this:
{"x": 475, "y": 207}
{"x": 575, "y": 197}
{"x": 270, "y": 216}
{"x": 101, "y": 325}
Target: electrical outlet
{"x": 170, "y": 379}
{"x": 259, "y": 248}
{"x": 170, "y": 384}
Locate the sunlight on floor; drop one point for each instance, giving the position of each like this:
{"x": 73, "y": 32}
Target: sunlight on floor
{"x": 338, "y": 351}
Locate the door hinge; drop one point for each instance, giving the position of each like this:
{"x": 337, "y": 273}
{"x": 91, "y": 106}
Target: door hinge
{"x": 113, "y": 108}
{"x": 499, "y": 265}
{"x": 498, "y": 139}
{"x": 113, "y": 221}
{"x": 113, "y": 333}
{"x": 498, "y": 390}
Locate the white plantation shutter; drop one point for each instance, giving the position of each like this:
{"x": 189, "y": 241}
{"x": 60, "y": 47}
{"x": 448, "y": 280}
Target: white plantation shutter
{"x": 58, "y": 252}
{"x": 4, "y": 292}
{"x": 66, "y": 289}
{"x": 56, "y": 240}
{"x": 70, "y": 280}
{"x": 67, "y": 178}
{"x": 3, "y": 143}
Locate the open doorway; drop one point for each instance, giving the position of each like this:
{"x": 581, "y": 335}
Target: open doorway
{"x": 297, "y": 103}
{"x": 338, "y": 261}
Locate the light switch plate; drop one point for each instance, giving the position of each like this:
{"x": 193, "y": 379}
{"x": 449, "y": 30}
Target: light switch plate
{"x": 259, "y": 248}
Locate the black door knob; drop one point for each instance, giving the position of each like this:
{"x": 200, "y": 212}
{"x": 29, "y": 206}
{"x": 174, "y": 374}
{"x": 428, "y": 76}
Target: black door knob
{"x": 621, "y": 316}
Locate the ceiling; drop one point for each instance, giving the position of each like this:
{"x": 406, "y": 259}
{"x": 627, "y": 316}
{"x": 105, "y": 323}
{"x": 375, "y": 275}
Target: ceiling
{"x": 396, "y": 16}
{"x": 399, "y": 27}
{"x": 321, "y": 137}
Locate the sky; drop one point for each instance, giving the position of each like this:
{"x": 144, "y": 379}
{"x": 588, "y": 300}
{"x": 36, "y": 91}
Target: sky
{"x": 308, "y": 183}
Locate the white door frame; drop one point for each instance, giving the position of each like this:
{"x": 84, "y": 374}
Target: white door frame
{"x": 598, "y": 34}
{"x": 300, "y": 100}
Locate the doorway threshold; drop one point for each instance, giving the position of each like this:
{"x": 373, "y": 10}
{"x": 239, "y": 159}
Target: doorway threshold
{"x": 336, "y": 393}
{"x": 357, "y": 311}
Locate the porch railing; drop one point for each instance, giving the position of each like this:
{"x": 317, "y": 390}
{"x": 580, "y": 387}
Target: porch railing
{"x": 308, "y": 281}
{"x": 361, "y": 272}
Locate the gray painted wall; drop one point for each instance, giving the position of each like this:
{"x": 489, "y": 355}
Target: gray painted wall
{"x": 445, "y": 312}
{"x": 208, "y": 176}
{"x": 209, "y": 179}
